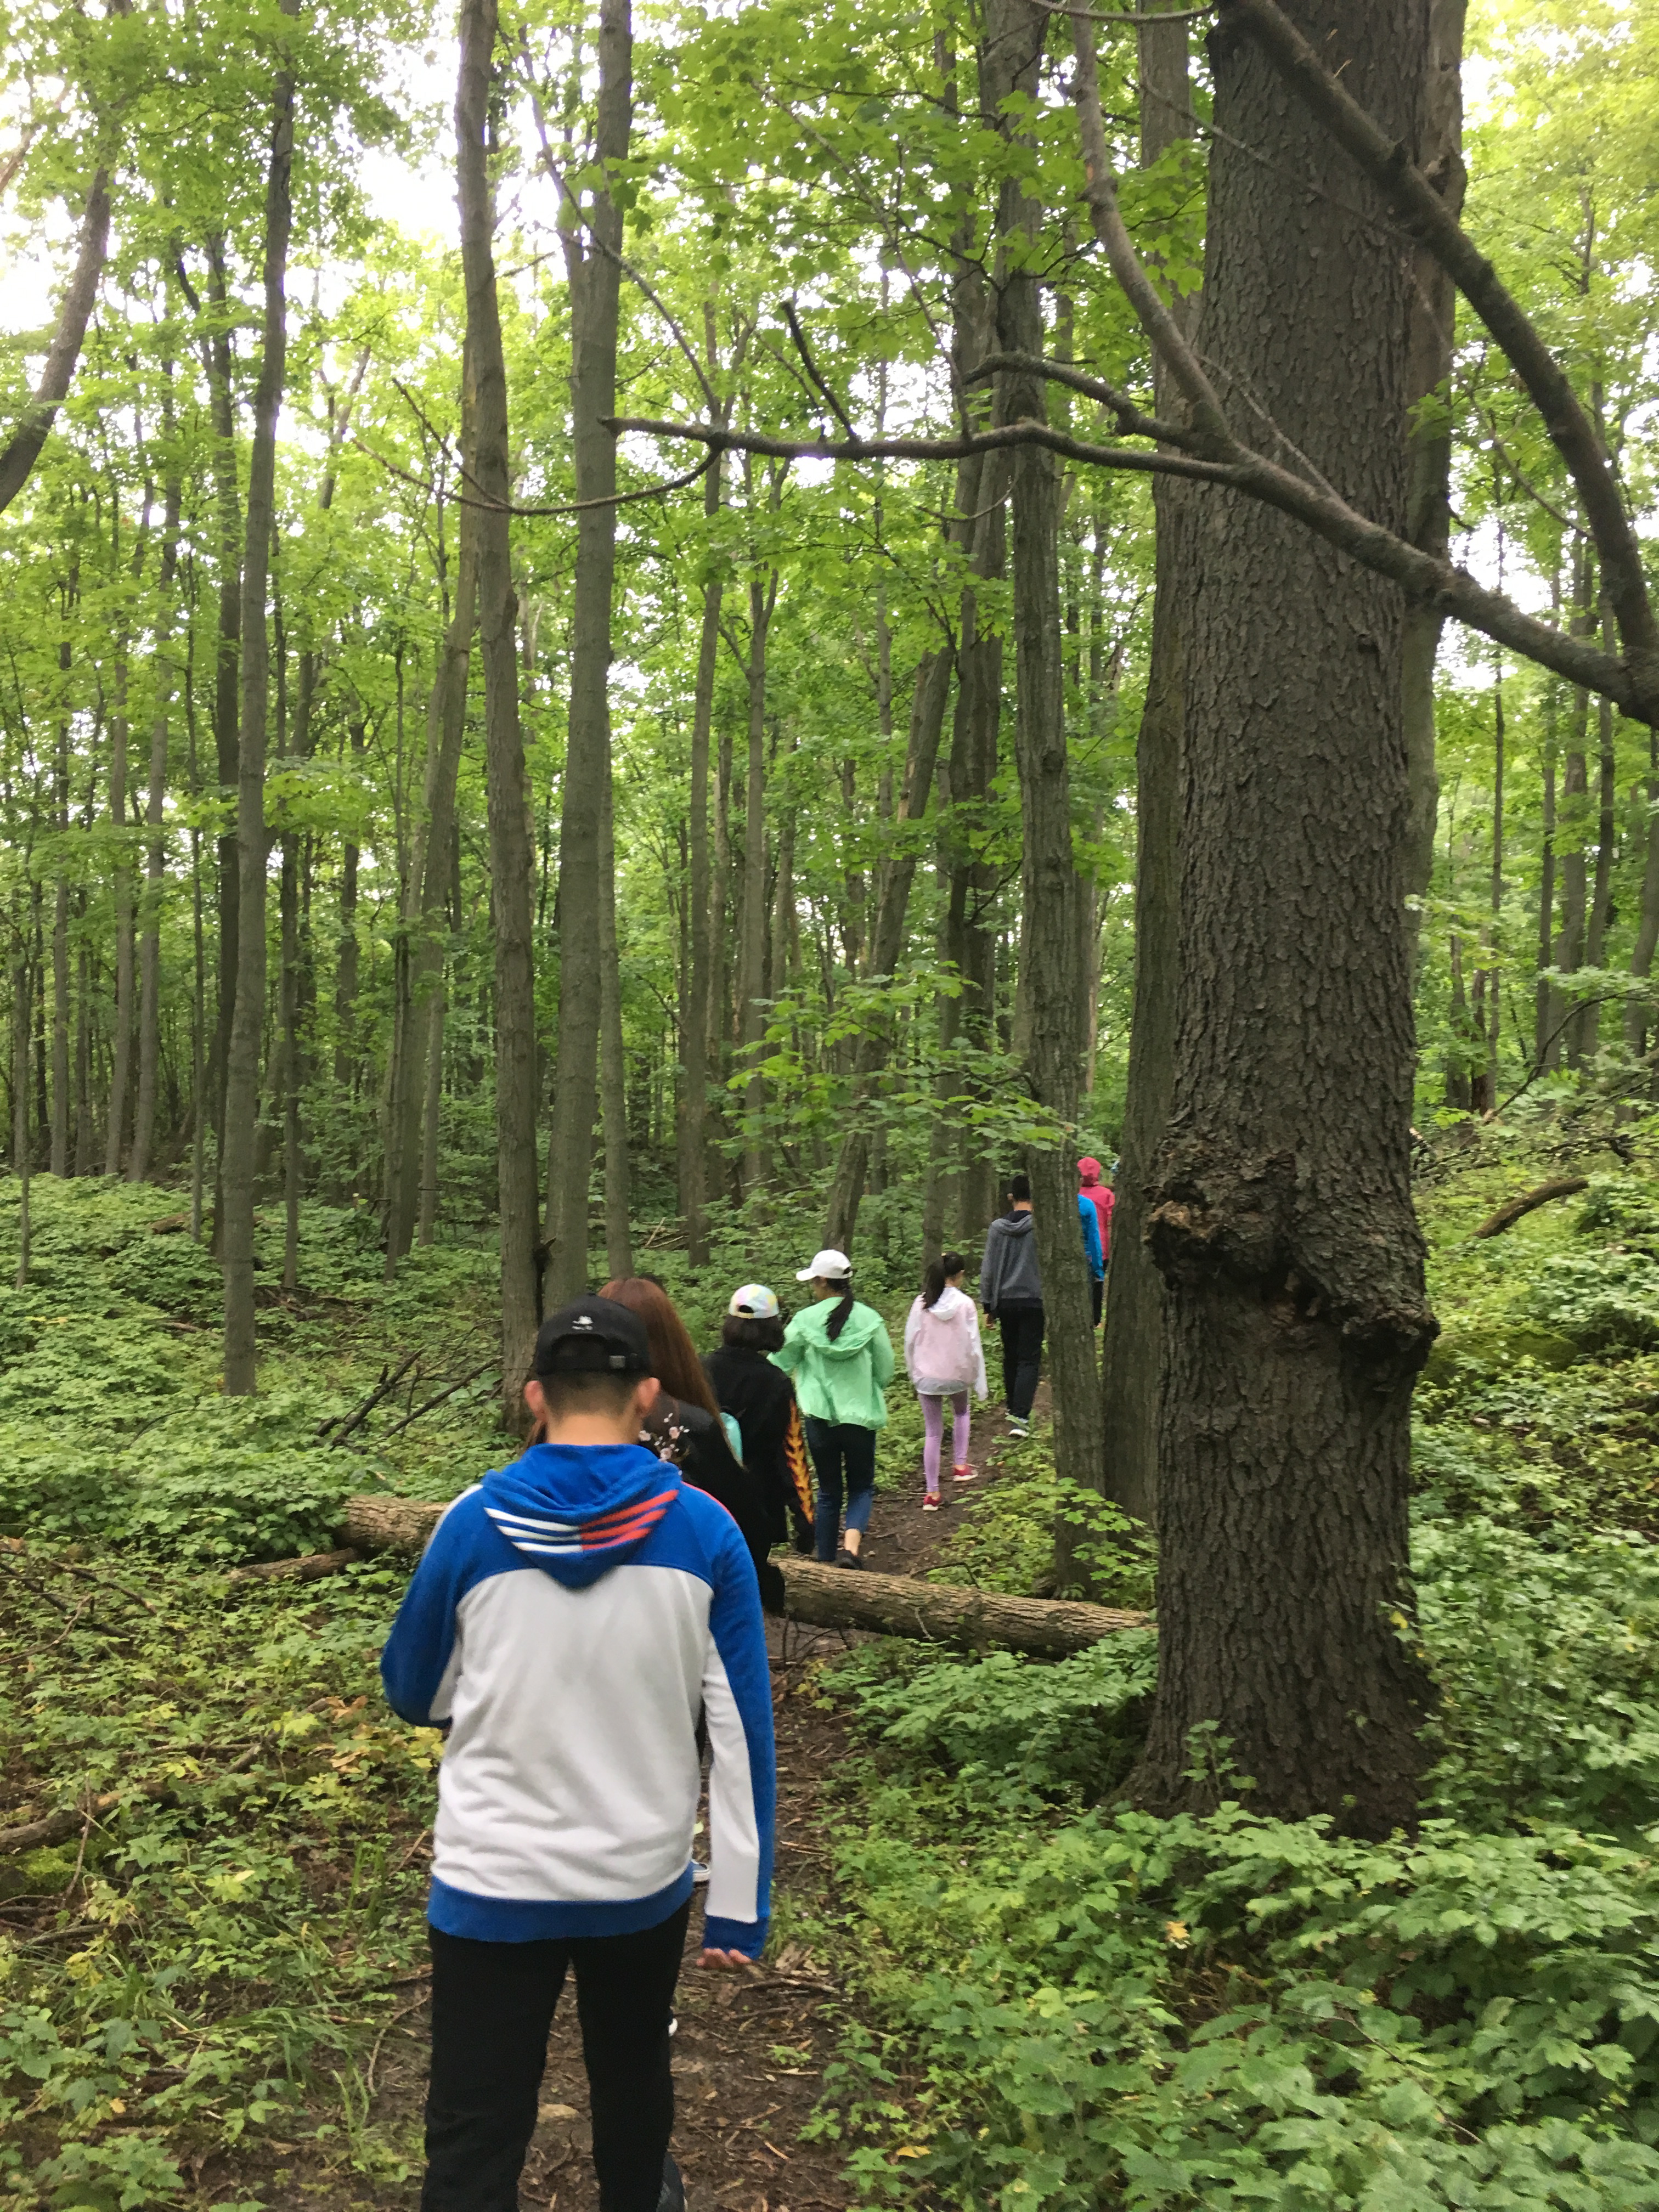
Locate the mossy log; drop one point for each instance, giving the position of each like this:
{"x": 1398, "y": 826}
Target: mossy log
{"x": 836, "y": 1597}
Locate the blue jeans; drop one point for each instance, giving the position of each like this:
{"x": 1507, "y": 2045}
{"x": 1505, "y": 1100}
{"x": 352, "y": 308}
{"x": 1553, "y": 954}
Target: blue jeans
{"x": 838, "y": 1447}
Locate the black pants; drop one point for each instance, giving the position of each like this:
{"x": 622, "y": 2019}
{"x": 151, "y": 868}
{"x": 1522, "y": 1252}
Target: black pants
{"x": 1022, "y": 1356}
{"x": 492, "y": 2006}
{"x": 1096, "y": 1299}
{"x": 841, "y": 1447}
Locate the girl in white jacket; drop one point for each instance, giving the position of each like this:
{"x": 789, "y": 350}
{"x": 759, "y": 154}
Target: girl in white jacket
{"x": 945, "y": 1359}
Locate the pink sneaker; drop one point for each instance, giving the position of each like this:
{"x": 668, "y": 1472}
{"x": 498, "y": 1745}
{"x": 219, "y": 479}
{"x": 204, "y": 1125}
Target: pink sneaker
{"x": 964, "y": 1474}
{"x": 930, "y": 1503}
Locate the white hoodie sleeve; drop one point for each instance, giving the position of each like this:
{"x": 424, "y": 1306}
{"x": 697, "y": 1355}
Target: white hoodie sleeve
{"x": 980, "y": 1383}
{"x": 912, "y": 1323}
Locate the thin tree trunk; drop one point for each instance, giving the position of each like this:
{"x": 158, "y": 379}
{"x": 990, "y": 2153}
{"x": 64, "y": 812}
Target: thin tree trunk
{"x": 1132, "y": 1338}
{"x": 217, "y": 361}
{"x": 445, "y": 731}
{"x": 752, "y": 988}
{"x": 434, "y": 1104}
{"x": 242, "y": 1062}
{"x": 84, "y": 1143}
{"x": 1574, "y": 812}
{"x": 511, "y": 858}
{"x": 1637, "y": 1018}
{"x": 1546, "y": 1015}
{"x": 1294, "y": 1318}
{"x": 121, "y": 1068}
{"x": 613, "y": 1065}
{"x": 1595, "y": 933}
{"x": 695, "y": 1022}
{"x": 150, "y": 947}
{"x": 595, "y": 276}
{"x": 60, "y": 906}
{"x": 1051, "y": 890}
{"x": 1431, "y": 308}
{"x": 20, "y": 1146}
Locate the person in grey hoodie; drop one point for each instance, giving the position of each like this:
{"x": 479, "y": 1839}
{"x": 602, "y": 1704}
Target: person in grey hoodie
{"x": 1011, "y": 1290}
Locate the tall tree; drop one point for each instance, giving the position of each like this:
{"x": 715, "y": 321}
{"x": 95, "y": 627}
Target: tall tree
{"x": 1294, "y": 1315}
{"x": 594, "y": 263}
{"x": 1132, "y": 1347}
{"x": 511, "y": 870}
{"x": 236, "y": 1253}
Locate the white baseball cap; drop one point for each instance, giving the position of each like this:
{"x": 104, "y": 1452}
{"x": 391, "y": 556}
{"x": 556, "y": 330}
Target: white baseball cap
{"x": 831, "y": 1266}
{"x": 754, "y": 1302}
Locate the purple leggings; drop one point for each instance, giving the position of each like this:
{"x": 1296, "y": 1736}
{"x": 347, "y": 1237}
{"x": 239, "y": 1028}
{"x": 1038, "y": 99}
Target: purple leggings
{"x": 932, "y": 1435}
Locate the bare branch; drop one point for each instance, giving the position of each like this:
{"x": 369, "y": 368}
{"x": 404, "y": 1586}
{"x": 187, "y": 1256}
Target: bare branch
{"x": 543, "y": 513}
{"x": 1130, "y": 20}
{"x": 1131, "y": 421}
{"x": 1422, "y": 577}
{"x": 1573, "y": 434}
{"x": 1209, "y": 416}
{"x": 814, "y": 371}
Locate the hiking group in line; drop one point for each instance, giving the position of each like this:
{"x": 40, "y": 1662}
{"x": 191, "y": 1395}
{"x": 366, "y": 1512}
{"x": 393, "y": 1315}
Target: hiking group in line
{"x": 586, "y": 1628}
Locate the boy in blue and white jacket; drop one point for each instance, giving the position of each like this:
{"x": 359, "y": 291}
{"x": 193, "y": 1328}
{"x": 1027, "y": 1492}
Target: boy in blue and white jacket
{"x": 574, "y": 1616}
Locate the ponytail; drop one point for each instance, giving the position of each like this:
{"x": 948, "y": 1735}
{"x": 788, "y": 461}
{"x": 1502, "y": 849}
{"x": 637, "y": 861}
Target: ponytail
{"x": 837, "y": 1321}
{"x": 937, "y": 1273}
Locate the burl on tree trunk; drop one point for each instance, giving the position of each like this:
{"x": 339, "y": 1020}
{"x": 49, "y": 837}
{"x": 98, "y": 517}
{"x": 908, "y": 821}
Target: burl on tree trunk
{"x": 1280, "y": 1213}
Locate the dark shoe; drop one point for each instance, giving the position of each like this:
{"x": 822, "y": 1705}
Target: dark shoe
{"x": 672, "y": 2198}
{"x": 846, "y": 1559}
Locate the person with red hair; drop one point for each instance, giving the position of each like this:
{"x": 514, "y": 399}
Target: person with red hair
{"x": 683, "y": 1425}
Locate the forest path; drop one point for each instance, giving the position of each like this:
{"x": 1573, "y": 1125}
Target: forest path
{"x": 749, "y": 2055}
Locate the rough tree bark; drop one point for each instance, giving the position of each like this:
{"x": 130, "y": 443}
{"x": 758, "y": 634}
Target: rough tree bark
{"x": 1132, "y": 1348}
{"x": 1281, "y": 1216}
{"x": 595, "y": 275}
{"x": 510, "y": 858}
{"x": 237, "y": 1157}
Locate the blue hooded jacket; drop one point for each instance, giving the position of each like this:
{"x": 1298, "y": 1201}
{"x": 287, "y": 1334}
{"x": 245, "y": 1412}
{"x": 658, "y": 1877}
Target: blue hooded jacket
{"x": 573, "y": 1617}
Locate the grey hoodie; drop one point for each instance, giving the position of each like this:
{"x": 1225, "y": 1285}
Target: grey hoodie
{"x": 1009, "y": 1275}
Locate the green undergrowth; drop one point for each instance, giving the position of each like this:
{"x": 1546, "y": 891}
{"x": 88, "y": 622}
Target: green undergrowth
{"x": 1063, "y": 2004}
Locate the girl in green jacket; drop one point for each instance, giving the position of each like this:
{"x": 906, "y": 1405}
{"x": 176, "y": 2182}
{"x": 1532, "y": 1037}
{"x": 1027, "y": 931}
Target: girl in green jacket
{"x": 842, "y": 1359}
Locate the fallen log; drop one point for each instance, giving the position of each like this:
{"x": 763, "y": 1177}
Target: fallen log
{"x": 58, "y": 1827}
{"x": 1516, "y": 1209}
{"x": 310, "y": 1569}
{"x": 836, "y": 1597}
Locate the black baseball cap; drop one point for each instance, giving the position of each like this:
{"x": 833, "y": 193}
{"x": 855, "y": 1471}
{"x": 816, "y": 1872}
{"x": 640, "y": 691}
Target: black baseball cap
{"x": 591, "y": 1336}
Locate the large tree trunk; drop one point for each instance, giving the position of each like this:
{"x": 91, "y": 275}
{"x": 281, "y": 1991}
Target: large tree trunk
{"x": 156, "y": 797}
{"x": 22, "y": 448}
{"x": 242, "y": 1063}
{"x": 1132, "y": 1338}
{"x": 1281, "y": 1216}
{"x": 1051, "y": 973}
{"x": 595, "y": 276}
{"x": 510, "y": 857}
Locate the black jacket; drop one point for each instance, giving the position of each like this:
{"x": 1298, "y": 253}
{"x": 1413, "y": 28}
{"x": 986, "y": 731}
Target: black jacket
{"x": 696, "y": 1442}
{"x": 759, "y": 1398}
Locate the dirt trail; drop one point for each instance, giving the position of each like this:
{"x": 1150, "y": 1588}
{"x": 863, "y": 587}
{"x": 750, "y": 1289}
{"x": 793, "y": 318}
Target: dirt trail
{"x": 749, "y": 2055}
